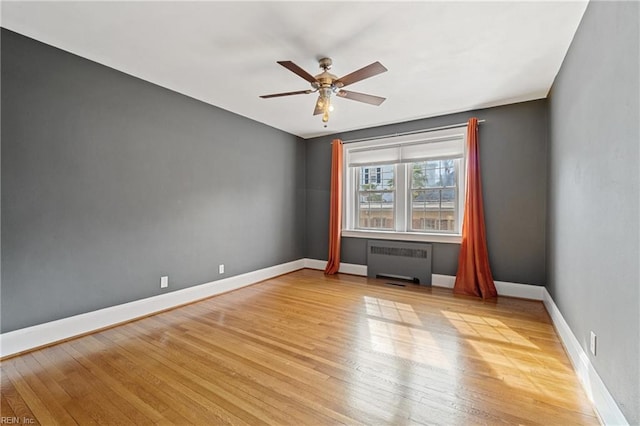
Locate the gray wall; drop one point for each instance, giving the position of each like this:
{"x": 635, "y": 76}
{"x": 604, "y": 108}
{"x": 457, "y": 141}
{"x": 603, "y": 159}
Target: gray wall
{"x": 593, "y": 234}
{"x": 109, "y": 182}
{"x": 513, "y": 155}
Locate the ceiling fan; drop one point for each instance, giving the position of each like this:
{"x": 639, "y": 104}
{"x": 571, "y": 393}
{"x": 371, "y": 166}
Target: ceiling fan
{"x": 326, "y": 84}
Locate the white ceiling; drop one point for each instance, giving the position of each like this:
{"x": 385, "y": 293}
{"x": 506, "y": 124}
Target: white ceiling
{"x": 442, "y": 57}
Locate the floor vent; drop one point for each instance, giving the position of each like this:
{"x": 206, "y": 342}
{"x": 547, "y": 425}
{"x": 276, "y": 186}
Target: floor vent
{"x": 399, "y": 260}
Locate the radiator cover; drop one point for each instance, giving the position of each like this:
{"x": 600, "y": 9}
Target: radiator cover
{"x": 396, "y": 259}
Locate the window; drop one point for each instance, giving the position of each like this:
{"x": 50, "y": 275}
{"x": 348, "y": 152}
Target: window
{"x": 406, "y": 187}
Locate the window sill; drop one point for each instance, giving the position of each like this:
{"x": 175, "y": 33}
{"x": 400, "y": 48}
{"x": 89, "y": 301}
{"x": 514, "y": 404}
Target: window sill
{"x": 403, "y": 236}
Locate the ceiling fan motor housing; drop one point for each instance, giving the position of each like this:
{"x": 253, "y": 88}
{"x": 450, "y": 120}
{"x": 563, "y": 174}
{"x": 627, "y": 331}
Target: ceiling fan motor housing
{"x": 325, "y": 79}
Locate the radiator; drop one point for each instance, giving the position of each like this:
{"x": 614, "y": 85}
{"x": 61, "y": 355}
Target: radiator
{"x": 400, "y": 260}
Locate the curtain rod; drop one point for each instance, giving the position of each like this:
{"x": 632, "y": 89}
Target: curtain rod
{"x": 432, "y": 129}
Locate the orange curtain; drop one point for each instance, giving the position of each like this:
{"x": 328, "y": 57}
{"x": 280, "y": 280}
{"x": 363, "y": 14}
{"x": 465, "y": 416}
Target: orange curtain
{"x": 335, "y": 213}
{"x": 474, "y": 274}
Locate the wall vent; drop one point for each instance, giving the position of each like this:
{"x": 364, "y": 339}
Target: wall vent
{"x": 395, "y": 259}
{"x": 403, "y": 252}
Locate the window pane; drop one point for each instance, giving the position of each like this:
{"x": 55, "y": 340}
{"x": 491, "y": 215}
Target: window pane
{"x": 434, "y": 174}
{"x": 376, "y": 197}
{"x": 425, "y": 210}
{"x": 434, "y": 196}
{"x": 376, "y": 178}
{"x": 376, "y": 210}
{"x": 418, "y": 175}
{"x": 448, "y": 198}
{"x": 386, "y": 177}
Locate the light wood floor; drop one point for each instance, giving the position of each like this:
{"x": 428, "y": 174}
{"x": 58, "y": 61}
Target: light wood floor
{"x": 308, "y": 349}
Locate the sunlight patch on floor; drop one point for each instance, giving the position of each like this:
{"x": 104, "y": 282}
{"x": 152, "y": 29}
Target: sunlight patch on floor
{"x": 486, "y": 328}
{"x": 394, "y": 311}
{"x": 406, "y": 342}
{"x": 513, "y": 372}
{"x": 394, "y": 331}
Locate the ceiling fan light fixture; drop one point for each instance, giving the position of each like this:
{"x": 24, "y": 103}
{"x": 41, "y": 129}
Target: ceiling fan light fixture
{"x": 327, "y": 107}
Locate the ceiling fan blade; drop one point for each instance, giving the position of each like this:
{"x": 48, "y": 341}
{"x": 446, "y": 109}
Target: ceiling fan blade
{"x": 361, "y": 97}
{"x": 276, "y": 95}
{"x": 297, "y": 70}
{"x": 319, "y": 109}
{"x": 366, "y": 72}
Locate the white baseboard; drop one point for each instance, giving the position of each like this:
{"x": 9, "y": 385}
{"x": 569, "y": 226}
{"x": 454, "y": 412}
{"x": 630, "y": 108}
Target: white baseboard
{"x": 345, "y": 268}
{"x": 315, "y": 264}
{"x": 521, "y": 291}
{"x": 25, "y": 339}
{"x": 446, "y": 281}
{"x": 603, "y": 402}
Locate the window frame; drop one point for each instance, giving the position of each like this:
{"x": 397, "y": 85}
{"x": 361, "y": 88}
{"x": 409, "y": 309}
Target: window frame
{"x": 402, "y": 196}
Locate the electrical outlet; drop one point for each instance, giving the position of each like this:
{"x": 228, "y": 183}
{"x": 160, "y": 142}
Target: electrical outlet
{"x": 221, "y": 269}
{"x": 164, "y": 282}
{"x": 593, "y": 343}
